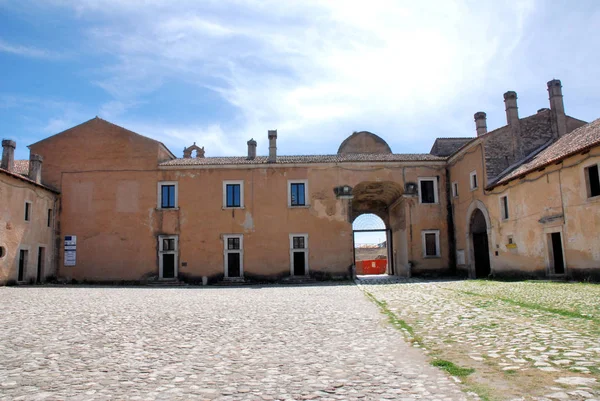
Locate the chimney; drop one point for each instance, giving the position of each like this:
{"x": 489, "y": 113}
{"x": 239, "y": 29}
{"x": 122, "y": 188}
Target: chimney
{"x": 559, "y": 119}
{"x": 251, "y": 149}
{"x": 272, "y": 146}
{"x": 480, "y": 123}
{"x": 35, "y": 168}
{"x": 512, "y": 119}
{"x": 8, "y": 154}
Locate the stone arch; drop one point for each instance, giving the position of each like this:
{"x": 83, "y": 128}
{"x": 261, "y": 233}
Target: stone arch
{"x": 187, "y": 152}
{"x": 478, "y": 229}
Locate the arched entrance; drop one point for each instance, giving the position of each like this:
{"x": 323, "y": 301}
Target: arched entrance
{"x": 371, "y": 245}
{"x": 479, "y": 239}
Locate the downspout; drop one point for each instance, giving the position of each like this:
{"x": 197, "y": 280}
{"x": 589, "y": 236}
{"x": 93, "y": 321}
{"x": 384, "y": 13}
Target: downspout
{"x": 450, "y": 223}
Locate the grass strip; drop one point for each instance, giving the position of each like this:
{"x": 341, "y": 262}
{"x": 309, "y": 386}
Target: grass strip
{"x": 538, "y": 307}
{"x": 393, "y": 318}
{"x": 451, "y": 368}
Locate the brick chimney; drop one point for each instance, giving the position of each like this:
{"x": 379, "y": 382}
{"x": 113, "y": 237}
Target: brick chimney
{"x": 272, "y": 146}
{"x": 8, "y": 154}
{"x": 251, "y": 149}
{"x": 35, "y": 168}
{"x": 559, "y": 119}
{"x": 512, "y": 119}
{"x": 480, "y": 123}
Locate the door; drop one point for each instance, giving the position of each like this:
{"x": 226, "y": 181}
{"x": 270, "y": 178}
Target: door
{"x": 299, "y": 266}
{"x": 22, "y": 265}
{"x": 557, "y": 253}
{"x": 168, "y": 248}
{"x": 40, "y": 264}
{"x": 233, "y": 256}
{"x": 299, "y": 254}
{"x": 482, "y": 255}
{"x": 168, "y": 265}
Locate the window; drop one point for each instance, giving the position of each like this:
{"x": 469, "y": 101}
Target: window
{"x": 49, "y": 217}
{"x": 473, "y": 179}
{"x": 431, "y": 243}
{"x": 455, "y": 189}
{"x": 297, "y": 191}
{"x": 27, "y": 211}
{"x": 592, "y": 181}
{"x": 233, "y": 256}
{"x": 233, "y": 194}
{"x": 504, "y": 207}
{"x": 167, "y": 195}
{"x": 428, "y": 190}
{"x": 299, "y": 254}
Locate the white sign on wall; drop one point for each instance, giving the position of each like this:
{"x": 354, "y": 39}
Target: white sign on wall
{"x": 70, "y": 250}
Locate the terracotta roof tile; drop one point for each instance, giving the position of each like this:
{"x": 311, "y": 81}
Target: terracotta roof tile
{"x": 22, "y": 167}
{"x": 26, "y": 179}
{"x": 345, "y": 158}
{"x": 574, "y": 142}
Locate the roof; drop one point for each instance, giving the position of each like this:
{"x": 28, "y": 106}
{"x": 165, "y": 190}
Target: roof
{"x": 21, "y": 167}
{"x": 345, "y": 158}
{"x": 579, "y": 140}
{"x": 107, "y": 122}
{"x": 447, "y": 146}
{"x": 18, "y": 176}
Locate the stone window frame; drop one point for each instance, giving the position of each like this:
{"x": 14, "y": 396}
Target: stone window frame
{"x": 233, "y": 182}
{"x": 471, "y": 175}
{"x": 226, "y": 252}
{"x": 437, "y": 244}
{"x": 159, "y": 195}
{"x": 504, "y": 208}
{"x": 305, "y": 250}
{"x": 27, "y": 211}
{"x": 455, "y": 189}
{"x": 436, "y": 197}
{"x": 306, "y": 194}
{"x": 586, "y": 179}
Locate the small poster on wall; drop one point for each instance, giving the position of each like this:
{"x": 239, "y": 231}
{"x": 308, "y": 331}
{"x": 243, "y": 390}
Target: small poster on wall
{"x": 70, "y": 250}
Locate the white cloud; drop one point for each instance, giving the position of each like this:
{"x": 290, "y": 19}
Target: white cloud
{"x": 26, "y": 51}
{"x": 315, "y": 70}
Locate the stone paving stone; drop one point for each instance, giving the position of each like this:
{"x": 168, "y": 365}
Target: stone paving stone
{"x": 488, "y": 333}
{"x": 252, "y": 343}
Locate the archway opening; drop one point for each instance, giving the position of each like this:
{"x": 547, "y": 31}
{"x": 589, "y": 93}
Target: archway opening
{"x": 479, "y": 238}
{"x": 371, "y": 250}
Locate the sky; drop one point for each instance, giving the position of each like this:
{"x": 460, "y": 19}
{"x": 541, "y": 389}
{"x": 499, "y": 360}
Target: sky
{"x": 221, "y": 72}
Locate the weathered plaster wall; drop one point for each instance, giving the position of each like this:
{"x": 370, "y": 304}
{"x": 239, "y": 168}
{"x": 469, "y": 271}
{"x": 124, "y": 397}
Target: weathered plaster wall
{"x": 96, "y": 145}
{"x": 17, "y": 234}
{"x": 537, "y": 205}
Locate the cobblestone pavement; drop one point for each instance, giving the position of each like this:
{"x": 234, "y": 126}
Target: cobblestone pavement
{"x": 523, "y": 339}
{"x": 253, "y": 343}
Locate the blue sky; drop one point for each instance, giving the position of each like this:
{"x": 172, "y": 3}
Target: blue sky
{"x": 220, "y": 72}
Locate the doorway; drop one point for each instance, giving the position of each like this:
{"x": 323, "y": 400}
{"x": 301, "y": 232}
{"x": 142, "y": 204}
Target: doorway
{"x": 233, "y": 256}
{"x": 40, "y": 264}
{"x": 371, "y": 245}
{"x": 556, "y": 257}
{"x": 23, "y": 257}
{"x": 299, "y": 255}
{"x": 167, "y": 257}
{"x": 481, "y": 250}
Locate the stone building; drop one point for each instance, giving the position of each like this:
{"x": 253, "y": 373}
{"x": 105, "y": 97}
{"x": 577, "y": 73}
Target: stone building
{"x": 27, "y": 220}
{"x": 519, "y": 200}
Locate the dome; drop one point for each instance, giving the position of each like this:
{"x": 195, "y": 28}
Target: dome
{"x": 364, "y": 142}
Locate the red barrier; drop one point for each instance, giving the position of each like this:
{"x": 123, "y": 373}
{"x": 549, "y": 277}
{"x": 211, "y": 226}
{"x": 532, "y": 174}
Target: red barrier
{"x": 374, "y": 266}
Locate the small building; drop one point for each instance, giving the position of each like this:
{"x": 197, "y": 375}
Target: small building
{"x": 521, "y": 200}
{"x": 27, "y": 220}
